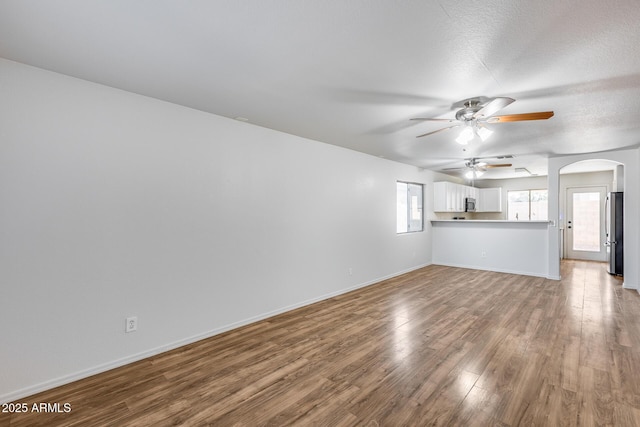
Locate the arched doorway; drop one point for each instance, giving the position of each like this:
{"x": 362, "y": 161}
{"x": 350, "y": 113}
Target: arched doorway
{"x": 630, "y": 159}
{"x": 584, "y": 221}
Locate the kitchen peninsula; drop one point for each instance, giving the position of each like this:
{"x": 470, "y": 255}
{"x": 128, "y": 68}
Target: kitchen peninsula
{"x": 518, "y": 247}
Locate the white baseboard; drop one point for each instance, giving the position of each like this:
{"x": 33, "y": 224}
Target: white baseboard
{"x": 66, "y": 379}
{"x": 497, "y": 270}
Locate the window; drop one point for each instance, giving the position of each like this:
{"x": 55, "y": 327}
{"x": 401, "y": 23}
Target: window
{"x": 586, "y": 221}
{"x": 409, "y": 207}
{"x": 527, "y": 205}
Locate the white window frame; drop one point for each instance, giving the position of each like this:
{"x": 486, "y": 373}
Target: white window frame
{"x": 528, "y": 191}
{"x": 410, "y": 210}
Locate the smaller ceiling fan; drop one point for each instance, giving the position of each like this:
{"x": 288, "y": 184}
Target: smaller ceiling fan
{"x": 475, "y": 113}
{"x": 476, "y": 168}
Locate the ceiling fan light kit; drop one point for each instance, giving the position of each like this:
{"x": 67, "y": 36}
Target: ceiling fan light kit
{"x": 472, "y": 130}
{"x": 478, "y": 111}
{"x": 473, "y": 174}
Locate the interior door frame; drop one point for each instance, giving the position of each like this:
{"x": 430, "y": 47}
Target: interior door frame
{"x": 569, "y": 252}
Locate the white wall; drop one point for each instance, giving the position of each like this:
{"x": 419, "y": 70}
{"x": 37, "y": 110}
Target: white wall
{"x": 113, "y": 204}
{"x": 587, "y": 179}
{"x": 618, "y": 178}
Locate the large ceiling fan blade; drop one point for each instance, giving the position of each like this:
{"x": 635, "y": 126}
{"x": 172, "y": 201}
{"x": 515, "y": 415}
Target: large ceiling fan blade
{"x": 436, "y": 131}
{"x": 503, "y": 165}
{"x": 426, "y": 119}
{"x": 493, "y": 107}
{"x": 542, "y": 115}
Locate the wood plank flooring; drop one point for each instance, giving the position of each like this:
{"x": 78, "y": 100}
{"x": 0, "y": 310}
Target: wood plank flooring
{"x": 438, "y": 346}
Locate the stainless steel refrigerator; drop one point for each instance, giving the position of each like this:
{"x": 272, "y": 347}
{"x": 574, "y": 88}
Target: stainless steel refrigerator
{"x": 613, "y": 224}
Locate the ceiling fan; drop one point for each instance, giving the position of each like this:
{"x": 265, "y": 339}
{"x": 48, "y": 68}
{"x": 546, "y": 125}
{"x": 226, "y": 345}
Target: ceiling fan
{"x": 476, "y": 168}
{"x": 475, "y": 113}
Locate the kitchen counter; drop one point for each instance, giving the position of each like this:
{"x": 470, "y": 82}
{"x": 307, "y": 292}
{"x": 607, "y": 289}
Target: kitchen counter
{"x": 491, "y": 221}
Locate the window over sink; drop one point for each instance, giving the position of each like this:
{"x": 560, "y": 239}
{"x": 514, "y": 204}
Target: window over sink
{"x": 527, "y": 205}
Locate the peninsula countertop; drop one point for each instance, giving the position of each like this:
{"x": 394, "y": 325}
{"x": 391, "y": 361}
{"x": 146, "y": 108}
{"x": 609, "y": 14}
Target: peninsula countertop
{"x": 492, "y": 221}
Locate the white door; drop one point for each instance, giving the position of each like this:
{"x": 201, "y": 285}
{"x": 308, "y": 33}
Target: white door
{"x": 584, "y": 231}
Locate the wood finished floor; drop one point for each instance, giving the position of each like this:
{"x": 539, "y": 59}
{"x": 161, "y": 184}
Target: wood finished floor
{"x": 438, "y": 346}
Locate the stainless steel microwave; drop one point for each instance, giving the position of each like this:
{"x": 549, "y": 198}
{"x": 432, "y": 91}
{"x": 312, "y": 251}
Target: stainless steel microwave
{"x": 469, "y": 204}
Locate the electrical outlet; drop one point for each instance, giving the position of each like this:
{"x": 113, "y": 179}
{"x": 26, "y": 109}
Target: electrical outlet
{"x": 131, "y": 324}
{"x": 350, "y": 271}
{"x": 483, "y": 254}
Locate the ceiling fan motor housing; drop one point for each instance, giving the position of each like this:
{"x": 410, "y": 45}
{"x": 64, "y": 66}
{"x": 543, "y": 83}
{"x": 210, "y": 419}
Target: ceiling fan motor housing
{"x": 471, "y": 106}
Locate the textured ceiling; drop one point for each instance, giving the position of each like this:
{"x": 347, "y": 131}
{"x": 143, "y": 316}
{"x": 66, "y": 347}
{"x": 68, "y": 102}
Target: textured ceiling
{"x": 352, "y": 73}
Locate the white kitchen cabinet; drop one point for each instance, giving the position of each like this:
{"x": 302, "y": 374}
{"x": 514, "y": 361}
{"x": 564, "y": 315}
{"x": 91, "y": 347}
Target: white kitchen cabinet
{"x": 489, "y": 200}
{"x": 459, "y": 198}
{"x": 442, "y": 198}
{"x": 450, "y": 197}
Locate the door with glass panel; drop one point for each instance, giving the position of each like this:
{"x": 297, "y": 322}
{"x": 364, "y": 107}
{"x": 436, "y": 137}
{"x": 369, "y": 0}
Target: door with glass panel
{"x": 584, "y": 228}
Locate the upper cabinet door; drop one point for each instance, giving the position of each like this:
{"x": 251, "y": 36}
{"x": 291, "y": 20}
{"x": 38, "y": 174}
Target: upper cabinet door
{"x": 440, "y": 197}
{"x": 490, "y": 200}
{"x": 449, "y": 196}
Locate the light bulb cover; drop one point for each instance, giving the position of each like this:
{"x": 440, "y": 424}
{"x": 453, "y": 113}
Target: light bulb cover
{"x": 465, "y": 136}
{"x": 473, "y": 174}
{"x": 484, "y": 133}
